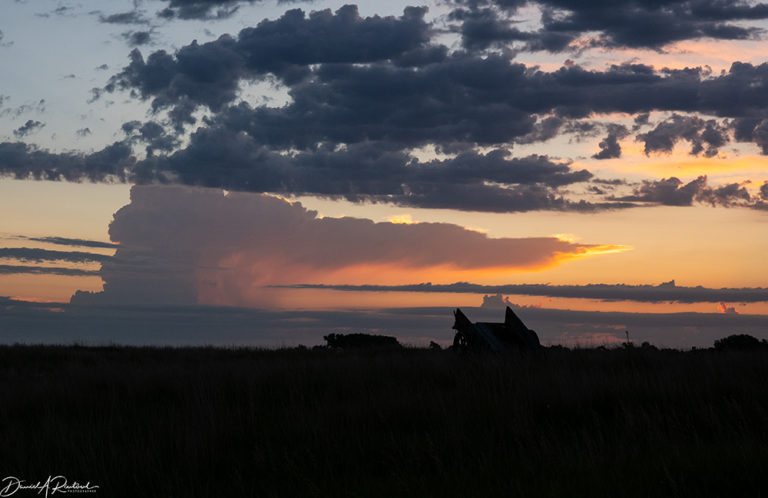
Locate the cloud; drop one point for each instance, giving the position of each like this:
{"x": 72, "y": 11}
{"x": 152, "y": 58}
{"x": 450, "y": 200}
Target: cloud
{"x": 183, "y": 245}
{"x": 40, "y": 255}
{"x": 366, "y": 93}
{"x": 28, "y": 128}
{"x": 609, "y": 24}
{"x": 155, "y": 136}
{"x": 130, "y": 17}
{"x": 28, "y": 107}
{"x": 705, "y": 136}
{"x": 65, "y": 241}
{"x": 609, "y": 146}
{"x": 46, "y": 270}
{"x": 359, "y": 172}
{"x": 24, "y": 161}
{"x": 201, "y": 9}
{"x": 137, "y": 38}
{"x": 495, "y": 301}
{"x": 435, "y": 102}
{"x": 207, "y": 9}
{"x": 2, "y": 43}
{"x": 83, "y": 132}
{"x": 666, "y": 291}
{"x": 60, "y": 11}
{"x": 673, "y": 192}
{"x": 209, "y": 74}
{"x": 752, "y": 129}
{"x": 371, "y": 171}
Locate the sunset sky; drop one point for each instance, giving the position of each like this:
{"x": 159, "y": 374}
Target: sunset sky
{"x": 267, "y": 172}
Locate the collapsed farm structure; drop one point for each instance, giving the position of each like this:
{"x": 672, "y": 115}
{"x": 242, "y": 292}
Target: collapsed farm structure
{"x": 512, "y": 335}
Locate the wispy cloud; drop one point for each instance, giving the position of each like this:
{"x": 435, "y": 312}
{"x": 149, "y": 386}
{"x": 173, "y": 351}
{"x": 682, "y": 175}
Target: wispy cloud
{"x": 667, "y": 291}
{"x": 45, "y": 270}
{"x": 42, "y": 255}
{"x": 65, "y": 241}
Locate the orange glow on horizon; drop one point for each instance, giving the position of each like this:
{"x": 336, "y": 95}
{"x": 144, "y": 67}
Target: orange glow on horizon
{"x": 28, "y": 299}
{"x": 235, "y": 282}
{"x": 724, "y": 168}
{"x": 404, "y": 219}
{"x": 402, "y": 273}
{"x": 47, "y": 288}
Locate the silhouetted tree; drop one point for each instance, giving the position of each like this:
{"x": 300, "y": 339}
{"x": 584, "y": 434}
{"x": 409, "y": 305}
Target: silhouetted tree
{"x": 740, "y": 342}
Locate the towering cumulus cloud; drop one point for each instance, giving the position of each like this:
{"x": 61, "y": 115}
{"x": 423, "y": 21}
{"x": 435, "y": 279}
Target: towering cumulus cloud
{"x": 182, "y": 245}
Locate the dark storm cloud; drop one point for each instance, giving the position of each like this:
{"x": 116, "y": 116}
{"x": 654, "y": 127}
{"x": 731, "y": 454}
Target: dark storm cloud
{"x": 669, "y": 191}
{"x": 705, "y": 136}
{"x": 351, "y": 128}
{"x": 35, "y": 255}
{"x": 544, "y": 130}
{"x": 201, "y": 9}
{"x": 365, "y": 92}
{"x": 64, "y": 241}
{"x": 462, "y": 98}
{"x": 667, "y": 291}
{"x": 731, "y": 194}
{"x": 208, "y": 9}
{"x": 752, "y": 129}
{"x": 764, "y": 191}
{"x": 28, "y": 128}
{"x": 490, "y": 198}
{"x": 372, "y": 171}
{"x": 137, "y": 38}
{"x": 130, "y": 17}
{"x": 24, "y": 161}
{"x": 673, "y": 192}
{"x": 609, "y": 146}
{"x": 627, "y": 23}
{"x": 210, "y": 73}
{"x": 483, "y": 27}
{"x": 152, "y": 134}
{"x": 44, "y": 270}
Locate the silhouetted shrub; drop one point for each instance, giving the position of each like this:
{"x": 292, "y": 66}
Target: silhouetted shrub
{"x": 740, "y": 342}
{"x": 359, "y": 341}
{"x": 558, "y": 347}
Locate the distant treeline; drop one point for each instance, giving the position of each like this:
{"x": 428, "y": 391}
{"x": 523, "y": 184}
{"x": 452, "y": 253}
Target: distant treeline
{"x": 735, "y": 342}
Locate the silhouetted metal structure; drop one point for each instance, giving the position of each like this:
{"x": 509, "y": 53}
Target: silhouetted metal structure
{"x": 512, "y": 335}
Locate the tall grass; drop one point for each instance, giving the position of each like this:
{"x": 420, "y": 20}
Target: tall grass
{"x": 214, "y": 422}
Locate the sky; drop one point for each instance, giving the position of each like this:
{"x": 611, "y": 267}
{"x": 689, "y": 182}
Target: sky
{"x": 266, "y": 172}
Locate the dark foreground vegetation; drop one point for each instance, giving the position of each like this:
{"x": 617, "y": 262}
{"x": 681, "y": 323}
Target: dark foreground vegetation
{"x": 396, "y": 422}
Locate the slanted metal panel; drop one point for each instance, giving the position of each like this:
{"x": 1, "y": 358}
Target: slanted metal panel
{"x": 489, "y": 337}
{"x": 513, "y": 321}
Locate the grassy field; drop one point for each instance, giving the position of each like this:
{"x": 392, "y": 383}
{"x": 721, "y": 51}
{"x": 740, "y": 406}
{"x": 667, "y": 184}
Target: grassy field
{"x": 214, "y": 422}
